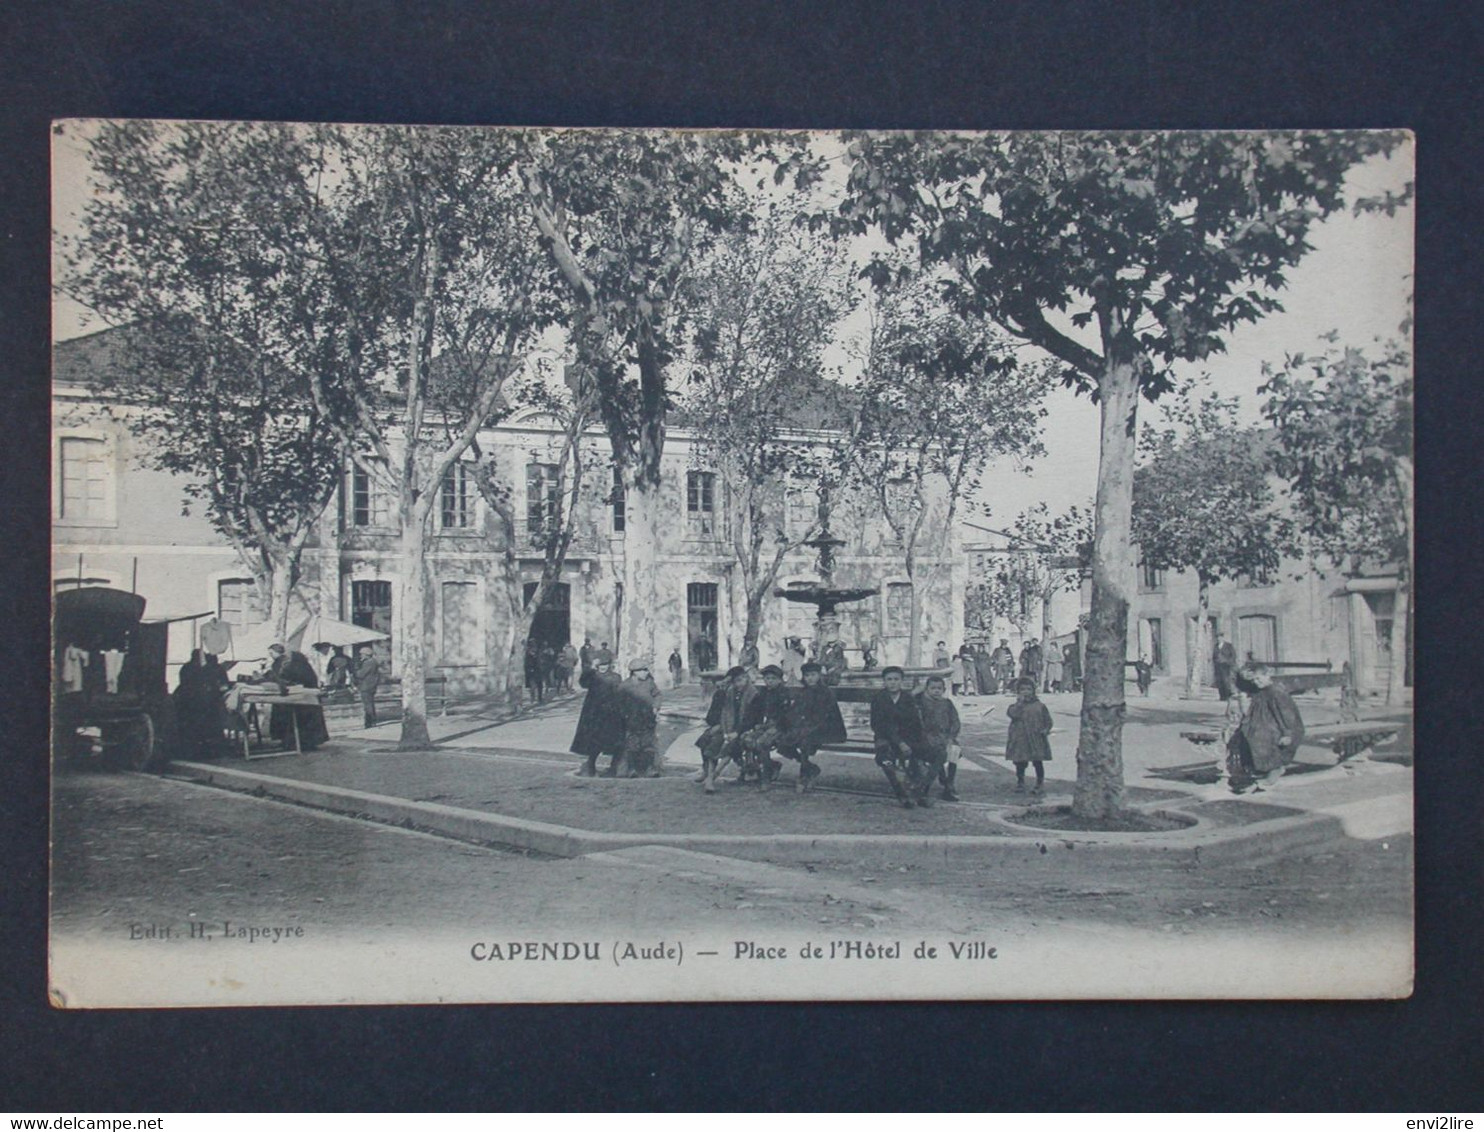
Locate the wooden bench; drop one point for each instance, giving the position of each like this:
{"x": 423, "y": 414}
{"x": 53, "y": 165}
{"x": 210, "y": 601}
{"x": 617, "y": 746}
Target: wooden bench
{"x": 1346, "y": 740}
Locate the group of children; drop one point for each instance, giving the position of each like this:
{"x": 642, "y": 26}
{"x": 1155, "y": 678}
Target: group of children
{"x": 914, "y": 736}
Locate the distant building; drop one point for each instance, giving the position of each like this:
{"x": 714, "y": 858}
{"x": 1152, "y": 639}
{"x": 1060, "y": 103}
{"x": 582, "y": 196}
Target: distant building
{"x": 118, "y": 522}
{"x": 1302, "y": 614}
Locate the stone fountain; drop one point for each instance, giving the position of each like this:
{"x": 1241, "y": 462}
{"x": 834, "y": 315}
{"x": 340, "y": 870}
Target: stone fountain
{"x": 853, "y": 684}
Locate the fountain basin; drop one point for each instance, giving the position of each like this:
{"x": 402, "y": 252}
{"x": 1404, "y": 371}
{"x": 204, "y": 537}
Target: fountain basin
{"x": 826, "y": 598}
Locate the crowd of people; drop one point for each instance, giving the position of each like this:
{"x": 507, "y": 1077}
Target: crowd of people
{"x": 978, "y": 670}
{"x": 789, "y": 717}
{"x": 793, "y": 714}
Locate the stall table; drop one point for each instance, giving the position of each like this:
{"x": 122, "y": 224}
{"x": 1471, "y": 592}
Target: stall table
{"x": 251, "y": 699}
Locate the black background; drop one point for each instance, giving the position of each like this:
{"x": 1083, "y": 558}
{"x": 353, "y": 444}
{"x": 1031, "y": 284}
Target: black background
{"x": 1127, "y": 64}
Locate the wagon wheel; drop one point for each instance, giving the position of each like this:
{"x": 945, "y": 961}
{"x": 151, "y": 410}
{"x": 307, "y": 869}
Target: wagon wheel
{"x": 136, "y": 745}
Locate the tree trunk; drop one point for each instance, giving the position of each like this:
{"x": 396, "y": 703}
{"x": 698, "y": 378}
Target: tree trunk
{"x": 280, "y": 586}
{"x": 753, "y": 625}
{"x": 1396, "y": 674}
{"x": 413, "y": 650}
{"x": 640, "y": 567}
{"x": 1099, "y": 791}
{"x": 1199, "y": 658}
{"x": 516, "y": 630}
{"x": 913, "y": 608}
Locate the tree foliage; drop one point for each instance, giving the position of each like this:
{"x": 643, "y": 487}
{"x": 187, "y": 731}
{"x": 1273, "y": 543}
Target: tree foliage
{"x": 1202, "y": 498}
{"x": 1167, "y": 241}
{"x": 1155, "y": 244}
{"x": 624, "y": 216}
{"x": 767, "y": 301}
{"x": 1045, "y": 555}
{"x": 433, "y": 252}
{"x": 192, "y": 243}
{"x": 943, "y": 396}
{"x": 1342, "y": 419}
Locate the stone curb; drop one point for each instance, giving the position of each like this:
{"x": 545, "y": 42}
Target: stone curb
{"x": 1191, "y": 848}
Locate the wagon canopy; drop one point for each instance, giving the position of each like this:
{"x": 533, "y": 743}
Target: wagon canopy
{"x": 96, "y": 618}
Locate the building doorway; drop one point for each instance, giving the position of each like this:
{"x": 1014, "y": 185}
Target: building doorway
{"x": 701, "y": 625}
{"x": 371, "y": 608}
{"x": 1382, "y": 609}
{"x": 552, "y": 624}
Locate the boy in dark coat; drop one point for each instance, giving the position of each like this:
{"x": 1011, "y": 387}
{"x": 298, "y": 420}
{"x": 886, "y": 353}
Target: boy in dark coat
{"x": 639, "y": 705}
{"x": 896, "y": 728}
{"x": 719, "y": 743}
{"x": 940, "y": 729}
{"x": 600, "y": 725}
{"x": 764, "y": 721}
{"x": 815, "y": 720}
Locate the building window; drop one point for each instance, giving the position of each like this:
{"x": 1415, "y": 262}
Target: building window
{"x": 238, "y": 602}
{"x": 700, "y": 502}
{"x": 369, "y": 506}
{"x": 1151, "y": 578}
{"x": 85, "y": 490}
{"x": 700, "y": 493}
{"x": 1257, "y": 637}
{"x": 543, "y": 501}
{"x": 898, "y": 609}
{"x": 1246, "y": 581}
{"x": 801, "y": 512}
{"x": 617, "y": 501}
{"x": 456, "y": 499}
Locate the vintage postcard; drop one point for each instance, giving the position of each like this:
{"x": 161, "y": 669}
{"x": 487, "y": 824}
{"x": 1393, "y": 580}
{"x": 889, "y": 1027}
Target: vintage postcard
{"x": 501, "y": 565}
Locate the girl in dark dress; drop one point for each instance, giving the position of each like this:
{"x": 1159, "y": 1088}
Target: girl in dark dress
{"x": 1030, "y": 724}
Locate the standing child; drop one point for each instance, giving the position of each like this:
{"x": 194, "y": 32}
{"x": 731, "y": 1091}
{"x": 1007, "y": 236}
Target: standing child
{"x": 640, "y": 710}
{"x": 1030, "y": 724}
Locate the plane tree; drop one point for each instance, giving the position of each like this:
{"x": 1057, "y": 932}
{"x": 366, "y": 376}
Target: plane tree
{"x": 943, "y": 396}
{"x": 1122, "y": 256}
{"x": 432, "y": 252}
{"x": 768, "y": 300}
{"x": 625, "y": 217}
{"x": 1342, "y": 419}
{"x": 1203, "y": 502}
{"x": 189, "y": 248}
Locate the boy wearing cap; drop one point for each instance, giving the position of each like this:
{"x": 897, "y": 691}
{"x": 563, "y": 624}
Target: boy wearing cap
{"x": 640, "y": 708}
{"x": 814, "y": 721}
{"x": 896, "y": 728}
{"x": 766, "y": 717}
{"x": 719, "y": 742}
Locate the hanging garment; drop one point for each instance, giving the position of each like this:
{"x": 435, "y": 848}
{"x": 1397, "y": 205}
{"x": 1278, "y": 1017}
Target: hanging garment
{"x": 113, "y": 664}
{"x": 74, "y": 661}
{"x": 216, "y": 637}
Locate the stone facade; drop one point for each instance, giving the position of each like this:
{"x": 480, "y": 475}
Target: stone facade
{"x": 1304, "y": 614}
{"x": 128, "y": 526}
